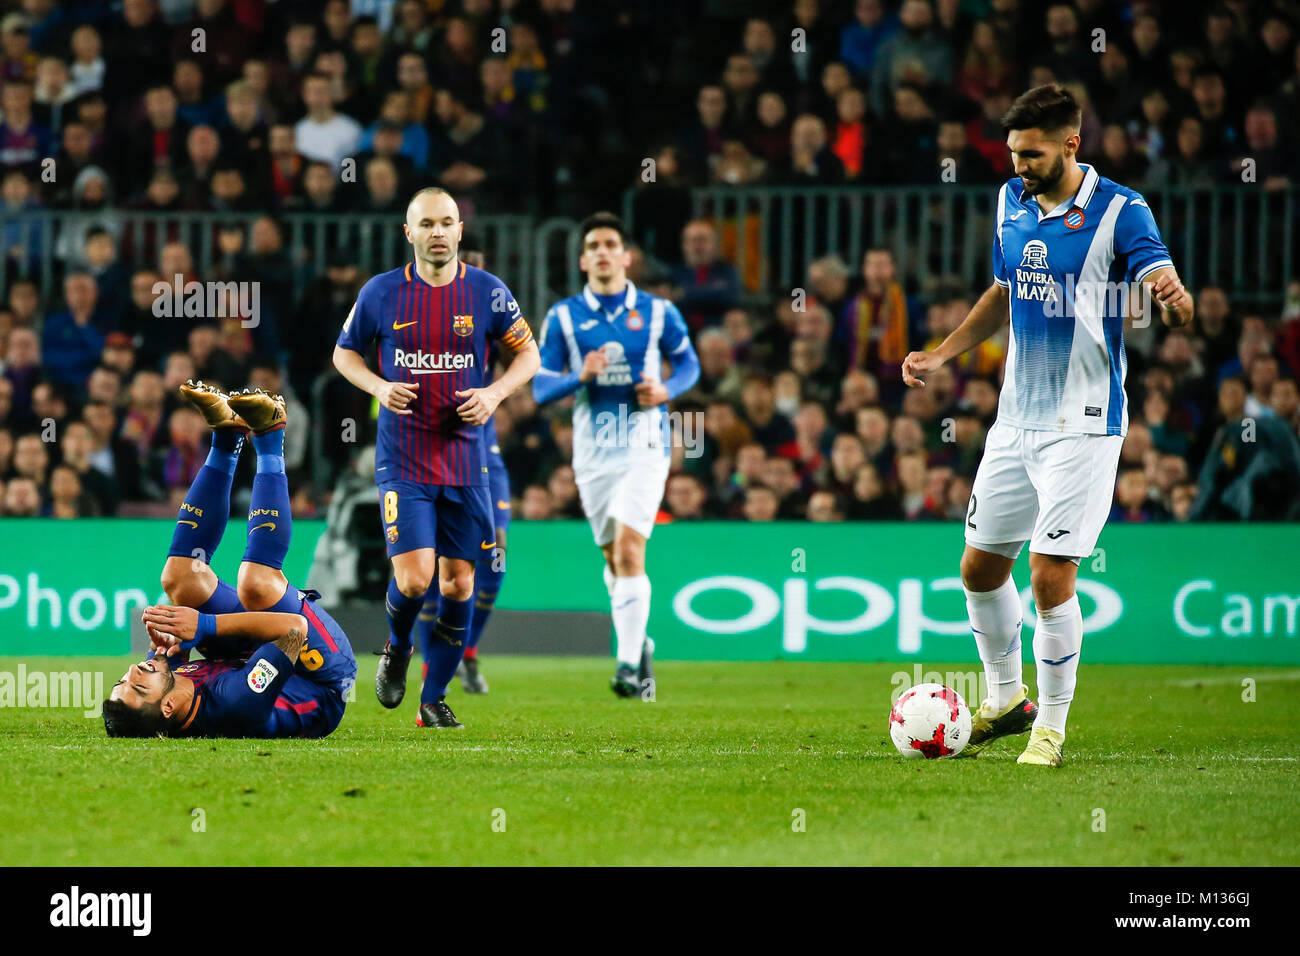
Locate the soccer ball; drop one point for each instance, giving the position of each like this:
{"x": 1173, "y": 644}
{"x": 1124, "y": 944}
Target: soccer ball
{"x": 930, "y": 721}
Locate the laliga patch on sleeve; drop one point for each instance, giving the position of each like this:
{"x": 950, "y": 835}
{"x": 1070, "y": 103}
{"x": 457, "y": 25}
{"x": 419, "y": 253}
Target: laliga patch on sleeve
{"x": 260, "y": 677}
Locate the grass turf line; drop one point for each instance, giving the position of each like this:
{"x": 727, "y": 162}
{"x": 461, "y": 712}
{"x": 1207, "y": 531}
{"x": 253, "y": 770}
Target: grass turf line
{"x": 1185, "y": 771}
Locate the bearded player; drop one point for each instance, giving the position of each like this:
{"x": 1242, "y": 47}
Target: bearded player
{"x": 275, "y": 663}
{"x": 433, "y": 319}
{"x": 1066, "y": 239}
{"x": 607, "y": 347}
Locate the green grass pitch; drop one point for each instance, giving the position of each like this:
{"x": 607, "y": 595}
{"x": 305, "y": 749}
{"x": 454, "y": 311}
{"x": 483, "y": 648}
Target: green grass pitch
{"x": 553, "y": 769}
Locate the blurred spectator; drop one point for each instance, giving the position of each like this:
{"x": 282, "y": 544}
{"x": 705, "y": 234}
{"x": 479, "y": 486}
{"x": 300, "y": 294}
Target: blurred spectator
{"x": 705, "y": 285}
{"x": 324, "y": 134}
{"x": 812, "y": 162}
{"x": 915, "y": 54}
{"x": 22, "y": 499}
{"x": 868, "y": 501}
{"x": 73, "y": 337}
{"x": 825, "y": 506}
{"x": 1252, "y": 469}
{"x": 31, "y": 458}
{"x": 22, "y": 370}
{"x": 1132, "y": 500}
{"x": 67, "y": 499}
{"x": 761, "y": 504}
{"x": 685, "y": 498}
{"x": 875, "y": 327}
{"x": 87, "y": 68}
{"x": 537, "y": 505}
{"x": 956, "y": 156}
{"x": 769, "y": 428}
{"x": 861, "y": 39}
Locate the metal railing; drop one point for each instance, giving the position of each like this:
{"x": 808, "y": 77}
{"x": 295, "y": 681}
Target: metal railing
{"x": 44, "y": 245}
{"x": 1240, "y": 237}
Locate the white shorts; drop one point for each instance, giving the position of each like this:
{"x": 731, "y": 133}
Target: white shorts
{"x": 1052, "y": 489}
{"x": 629, "y": 497}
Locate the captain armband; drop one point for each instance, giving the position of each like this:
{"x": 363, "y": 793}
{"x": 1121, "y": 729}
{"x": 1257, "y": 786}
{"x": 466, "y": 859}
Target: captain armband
{"x": 517, "y": 336}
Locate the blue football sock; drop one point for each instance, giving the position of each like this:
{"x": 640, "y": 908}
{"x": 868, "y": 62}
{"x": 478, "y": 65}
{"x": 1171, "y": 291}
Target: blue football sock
{"x": 401, "y": 615}
{"x": 270, "y": 451}
{"x": 270, "y": 521}
{"x": 487, "y": 584}
{"x": 446, "y": 646}
{"x": 424, "y": 623}
{"x": 224, "y": 600}
{"x": 202, "y": 518}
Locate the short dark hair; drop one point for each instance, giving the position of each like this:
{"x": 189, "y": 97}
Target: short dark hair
{"x": 603, "y": 220}
{"x": 123, "y": 721}
{"x": 1046, "y": 107}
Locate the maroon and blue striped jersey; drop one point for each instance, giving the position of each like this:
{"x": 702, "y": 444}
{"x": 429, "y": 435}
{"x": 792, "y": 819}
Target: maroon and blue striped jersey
{"x": 260, "y": 697}
{"x": 436, "y": 336}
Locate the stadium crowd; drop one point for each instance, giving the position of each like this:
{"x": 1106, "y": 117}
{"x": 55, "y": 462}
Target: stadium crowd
{"x": 256, "y": 106}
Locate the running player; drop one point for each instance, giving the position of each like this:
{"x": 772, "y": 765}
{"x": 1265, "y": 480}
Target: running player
{"x": 1068, "y": 246}
{"x": 433, "y": 319}
{"x": 490, "y": 571}
{"x": 607, "y": 347}
{"x": 276, "y": 664}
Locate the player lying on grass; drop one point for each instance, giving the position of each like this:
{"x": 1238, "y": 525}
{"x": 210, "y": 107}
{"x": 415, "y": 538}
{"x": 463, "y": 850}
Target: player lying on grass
{"x": 275, "y": 663}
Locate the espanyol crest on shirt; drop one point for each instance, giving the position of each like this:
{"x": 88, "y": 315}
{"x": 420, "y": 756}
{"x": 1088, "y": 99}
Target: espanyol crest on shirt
{"x": 634, "y": 320}
{"x": 1035, "y": 254}
{"x": 1074, "y": 219}
{"x": 462, "y": 324}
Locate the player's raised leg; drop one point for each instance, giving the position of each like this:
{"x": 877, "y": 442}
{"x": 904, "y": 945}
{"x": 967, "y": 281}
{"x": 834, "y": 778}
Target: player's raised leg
{"x": 187, "y": 577}
{"x": 262, "y": 585}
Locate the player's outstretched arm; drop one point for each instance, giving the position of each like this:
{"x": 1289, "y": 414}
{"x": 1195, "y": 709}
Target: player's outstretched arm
{"x": 170, "y": 626}
{"x": 394, "y": 396}
{"x": 987, "y": 316}
{"x": 1176, "y": 305}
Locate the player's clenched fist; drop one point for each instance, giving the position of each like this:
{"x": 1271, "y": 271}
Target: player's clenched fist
{"x": 1170, "y": 295}
{"x": 395, "y": 396}
{"x": 651, "y": 392}
{"x": 917, "y": 364}
{"x": 593, "y": 365}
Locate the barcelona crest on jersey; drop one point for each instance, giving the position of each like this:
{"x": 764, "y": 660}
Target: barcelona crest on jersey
{"x": 462, "y": 324}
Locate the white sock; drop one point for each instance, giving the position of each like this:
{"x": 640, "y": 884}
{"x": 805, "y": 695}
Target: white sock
{"x": 995, "y": 617}
{"x": 609, "y": 582}
{"x": 631, "y": 610}
{"x": 1058, "y": 639}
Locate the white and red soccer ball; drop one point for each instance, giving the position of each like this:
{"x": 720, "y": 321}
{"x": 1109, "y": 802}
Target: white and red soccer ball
{"x": 930, "y": 721}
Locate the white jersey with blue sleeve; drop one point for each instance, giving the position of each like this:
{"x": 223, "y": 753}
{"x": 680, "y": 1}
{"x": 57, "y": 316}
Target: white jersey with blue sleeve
{"x": 610, "y": 429}
{"x": 1067, "y": 274}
